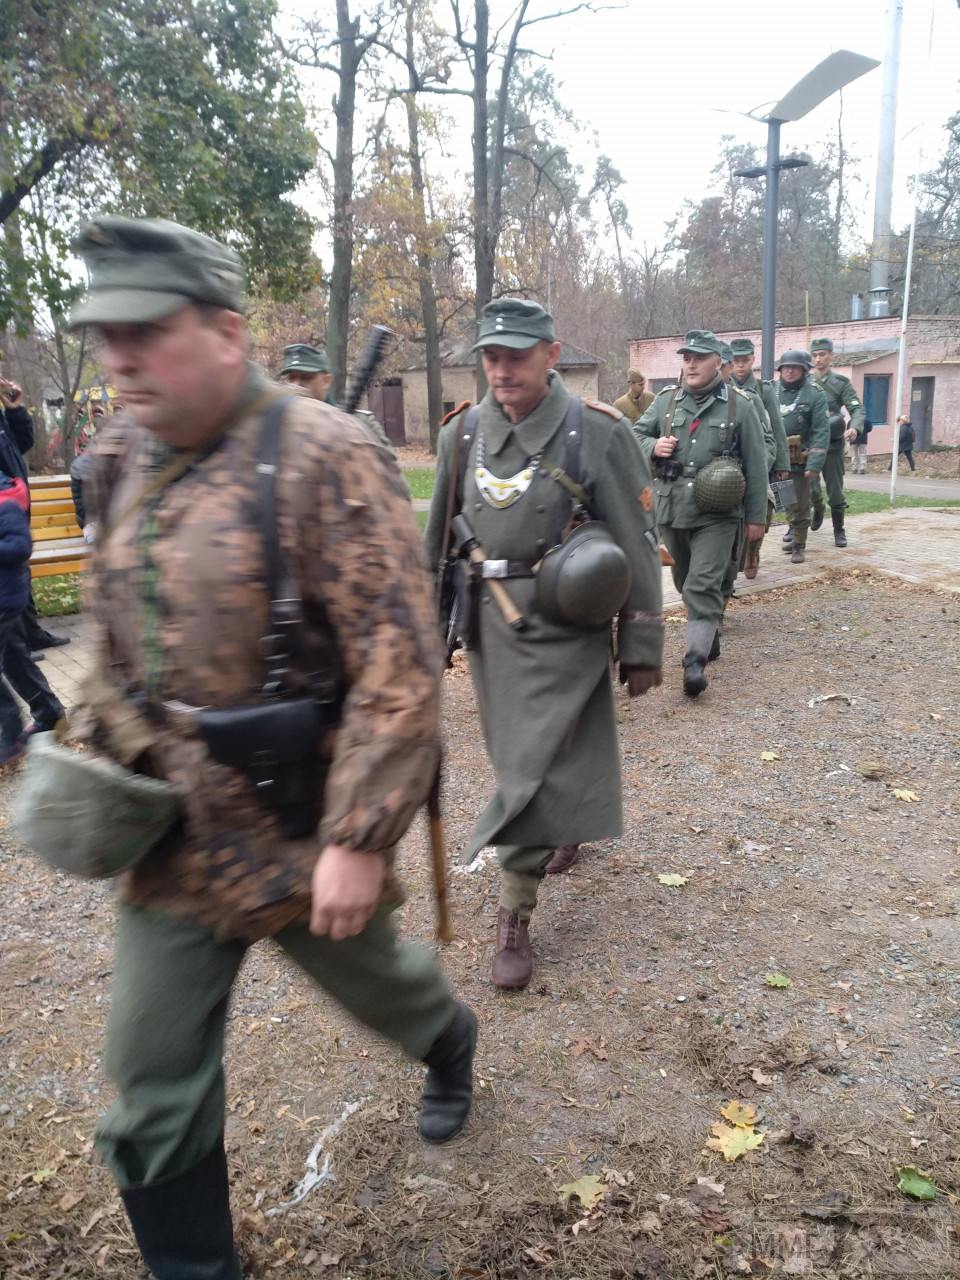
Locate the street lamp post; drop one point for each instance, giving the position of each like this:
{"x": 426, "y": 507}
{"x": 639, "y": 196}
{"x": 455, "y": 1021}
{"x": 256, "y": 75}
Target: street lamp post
{"x": 827, "y": 78}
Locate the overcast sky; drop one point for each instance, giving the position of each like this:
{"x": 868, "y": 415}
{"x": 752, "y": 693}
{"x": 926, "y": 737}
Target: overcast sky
{"x": 654, "y": 77}
{"x": 657, "y": 83}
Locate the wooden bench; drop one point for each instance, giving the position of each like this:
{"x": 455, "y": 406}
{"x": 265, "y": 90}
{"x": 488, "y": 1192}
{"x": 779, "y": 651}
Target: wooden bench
{"x": 58, "y": 545}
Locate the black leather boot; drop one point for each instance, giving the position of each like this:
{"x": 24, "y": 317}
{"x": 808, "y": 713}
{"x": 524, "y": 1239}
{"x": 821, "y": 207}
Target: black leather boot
{"x": 183, "y": 1224}
{"x": 714, "y": 653}
{"x": 694, "y": 678}
{"x": 839, "y": 537}
{"x": 817, "y": 519}
{"x": 448, "y": 1090}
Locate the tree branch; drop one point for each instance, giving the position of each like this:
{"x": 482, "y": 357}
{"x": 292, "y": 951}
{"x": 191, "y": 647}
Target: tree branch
{"x": 39, "y": 165}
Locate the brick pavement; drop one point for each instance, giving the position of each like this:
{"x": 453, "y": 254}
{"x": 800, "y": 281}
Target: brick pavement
{"x": 917, "y": 545}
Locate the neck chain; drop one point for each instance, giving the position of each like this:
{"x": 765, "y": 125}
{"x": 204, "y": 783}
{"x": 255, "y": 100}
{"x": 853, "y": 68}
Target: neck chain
{"x": 502, "y": 493}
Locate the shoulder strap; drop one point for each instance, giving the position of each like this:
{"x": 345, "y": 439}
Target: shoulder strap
{"x": 569, "y": 475}
{"x": 286, "y": 606}
{"x": 471, "y": 420}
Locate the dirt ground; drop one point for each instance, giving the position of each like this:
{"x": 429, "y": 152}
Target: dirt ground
{"x": 940, "y": 464}
{"x": 649, "y": 1010}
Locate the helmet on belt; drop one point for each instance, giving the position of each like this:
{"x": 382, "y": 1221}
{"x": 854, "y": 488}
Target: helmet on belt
{"x": 719, "y": 486}
{"x": 583, "y": 581}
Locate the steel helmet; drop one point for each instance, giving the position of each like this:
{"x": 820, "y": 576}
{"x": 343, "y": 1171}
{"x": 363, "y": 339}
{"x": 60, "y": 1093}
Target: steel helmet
{"x": 719, "y": 486}
{"x": 583, "y": 581}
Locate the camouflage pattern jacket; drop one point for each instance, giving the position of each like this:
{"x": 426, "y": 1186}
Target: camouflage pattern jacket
{"x": 179, "y": 593}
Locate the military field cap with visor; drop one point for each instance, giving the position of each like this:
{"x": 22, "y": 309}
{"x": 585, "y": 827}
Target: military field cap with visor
{"x": 802, "y": 358}
{"x": 701, "y": 342}
{"x": 299, "y": 357}
{"x": 515, "y": 323}
{"x": 821, "y": 344}
{"x": 142, "y": 269}
{"x": 743, "y": 347}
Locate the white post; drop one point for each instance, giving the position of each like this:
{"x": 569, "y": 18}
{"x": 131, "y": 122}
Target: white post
{"x": 902, "y": 355}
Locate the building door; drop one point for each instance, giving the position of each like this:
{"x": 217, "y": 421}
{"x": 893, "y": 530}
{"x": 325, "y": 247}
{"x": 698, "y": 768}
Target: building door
{"x": 386, "y": 404}
{"x": 921, "y": 411}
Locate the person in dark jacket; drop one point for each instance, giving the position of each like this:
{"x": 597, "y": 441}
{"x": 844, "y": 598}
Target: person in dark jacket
{"x": 16, "y": 665}
{"x": 16, "y": 439}
{"x": 907, "y": 439}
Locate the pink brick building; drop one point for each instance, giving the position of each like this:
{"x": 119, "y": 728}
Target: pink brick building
{"x": 866, "y": 351}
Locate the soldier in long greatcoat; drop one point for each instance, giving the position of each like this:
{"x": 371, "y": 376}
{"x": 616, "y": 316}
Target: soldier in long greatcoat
{"x": 544, "y": 692}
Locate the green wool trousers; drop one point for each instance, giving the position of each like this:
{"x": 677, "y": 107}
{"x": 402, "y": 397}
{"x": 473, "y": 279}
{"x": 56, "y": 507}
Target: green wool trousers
{"x": 833, "y": 469}
{"x": 521, "y": 870}
{"x": 799, "y": 513}
{"x": 171, "y": 991}
{"x": 702, "y": 557}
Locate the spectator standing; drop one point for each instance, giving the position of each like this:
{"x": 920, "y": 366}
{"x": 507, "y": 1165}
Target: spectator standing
{"x": 907, "y": 439}
{"x": 17, "y": 667}
{"x": 858, "y": 448}
{"x": 637, "y": 399}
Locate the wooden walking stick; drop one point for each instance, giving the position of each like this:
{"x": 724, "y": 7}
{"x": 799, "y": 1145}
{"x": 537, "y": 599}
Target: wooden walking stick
{"x": 438, "y": 857}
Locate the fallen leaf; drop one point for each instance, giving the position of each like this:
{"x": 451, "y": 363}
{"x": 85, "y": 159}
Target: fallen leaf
{"x": 908, "y": 797}
{"x": 672, "y": 880}
{"x": 778, "y": 980}
{"x": 831, "y": 697}
{"x": 101, "y": 1258}
{"x": 580, "y": 1047}
{"x": 760, "y": 1077}
{"x": 769, "y": 755}
{"x": 742, "y": 1114}
{"x": 733, "y": 1142}
{"x": 650, "y": 1223}
{"x": 915, "y": 1183}
{"x": 42, "y": 1175}
{"x": 588, "y": 1190}
{"x": 69, "y": 1201}
{"x": 717, "y": 1188}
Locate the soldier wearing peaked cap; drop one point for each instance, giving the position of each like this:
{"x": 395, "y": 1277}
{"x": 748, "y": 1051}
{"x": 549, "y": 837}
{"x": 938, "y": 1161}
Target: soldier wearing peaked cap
{"x": 637, "y": 399}
{"x": 705, "y": 441}
{"x": 803, "y": 410}
{"x": 309, "y": 367}
{"x": 840, "y": 394}
{"x": 223, "y": 501}
{"x": 520, "y": 467}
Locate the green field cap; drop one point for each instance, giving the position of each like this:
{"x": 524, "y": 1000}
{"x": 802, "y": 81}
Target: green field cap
{"x": 516, "y": 323}
{"x": 301, "y": 358}
{"x": 142, "y": 269}
{"x": 821, "y": 344}
{"x": 701, "y": 342}
{"x": 742, "y": 347}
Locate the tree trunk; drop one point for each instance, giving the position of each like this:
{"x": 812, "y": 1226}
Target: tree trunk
{"x": 341, "y": 275}
{"x": 428, "y": 297}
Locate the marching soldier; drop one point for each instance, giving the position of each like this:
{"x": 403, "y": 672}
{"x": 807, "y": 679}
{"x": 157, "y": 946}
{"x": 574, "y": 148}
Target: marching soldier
{"x": 705, "y": 440}
{"x": 309, "y": 367}
{"x": 637, "y": 399}
{"x": 520, "y": 467}
{"x": 840, "y": 394}
{"x": 220, "y": 499}
{"x": 744, "y": 353}
{"x": 803, "y": 410}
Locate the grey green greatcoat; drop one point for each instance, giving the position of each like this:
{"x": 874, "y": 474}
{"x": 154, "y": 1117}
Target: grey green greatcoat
{"x": 545, "y": 697}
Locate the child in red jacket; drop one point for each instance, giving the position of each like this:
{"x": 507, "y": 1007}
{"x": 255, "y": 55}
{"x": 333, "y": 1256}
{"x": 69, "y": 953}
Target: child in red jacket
{"x": 16, "y": 666}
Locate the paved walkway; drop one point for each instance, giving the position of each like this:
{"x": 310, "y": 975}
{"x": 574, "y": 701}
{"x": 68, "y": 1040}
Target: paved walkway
{"x": 914, "y": 544}
{"x": 908, "y": 486}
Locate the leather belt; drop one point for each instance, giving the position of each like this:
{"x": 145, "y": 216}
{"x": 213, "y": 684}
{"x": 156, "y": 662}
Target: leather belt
{"x": 508, "y": 568}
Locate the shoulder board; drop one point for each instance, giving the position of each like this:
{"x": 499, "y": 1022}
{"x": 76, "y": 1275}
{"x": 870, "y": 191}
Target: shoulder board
{"x": 602, "y": 407}
{"x": 447, "y": 417}
{"x": 747, "y": 395}
{"x": 671, "y": 387}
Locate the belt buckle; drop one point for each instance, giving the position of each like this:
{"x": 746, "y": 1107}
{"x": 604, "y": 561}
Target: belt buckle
{"x": 496, "y": 568}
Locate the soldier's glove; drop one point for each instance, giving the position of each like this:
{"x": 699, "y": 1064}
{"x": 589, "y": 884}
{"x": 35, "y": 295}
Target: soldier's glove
{"x": 640, "y": 679}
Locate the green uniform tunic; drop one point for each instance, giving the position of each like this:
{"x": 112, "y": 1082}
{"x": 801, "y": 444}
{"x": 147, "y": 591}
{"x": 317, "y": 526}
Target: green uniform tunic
{"x": 544, "y": 694}
{"x": 803, "y": 408}
{"x": 703, "y": 545}
{"x": 780, "y": 460}
{"x": 840, "y": 393}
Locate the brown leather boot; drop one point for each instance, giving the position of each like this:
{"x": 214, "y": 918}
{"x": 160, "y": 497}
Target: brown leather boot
{"x": 513, "y": 963}
{"x": 564, "y": 857}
